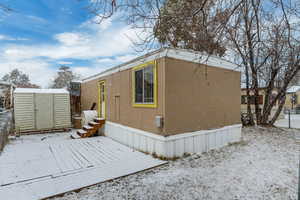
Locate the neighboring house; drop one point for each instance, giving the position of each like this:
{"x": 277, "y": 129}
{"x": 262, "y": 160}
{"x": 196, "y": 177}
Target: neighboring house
{"x": 6, "y": 90}
{"x": 292, "y": 97}
{"x": 168, "y": 102}
{"x": 261, "y": 99}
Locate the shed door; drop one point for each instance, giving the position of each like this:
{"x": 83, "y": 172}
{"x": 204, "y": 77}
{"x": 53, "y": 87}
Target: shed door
{"x": 44, "y": 111}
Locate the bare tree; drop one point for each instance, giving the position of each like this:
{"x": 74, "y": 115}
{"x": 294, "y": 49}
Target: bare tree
{"x": 64, "y": 77}
{"x": 296, "y": 80}
{"x": 263, "y": 34}
{"x": 174, "y": 23}
{"x": 191, "y": 25}
{"x": 19, "y": 79}
{"x": 268, "y": 45}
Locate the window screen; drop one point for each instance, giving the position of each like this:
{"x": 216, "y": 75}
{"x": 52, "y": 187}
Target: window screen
{"x": 139, "y": 86}
{"x": 144, "y": 85}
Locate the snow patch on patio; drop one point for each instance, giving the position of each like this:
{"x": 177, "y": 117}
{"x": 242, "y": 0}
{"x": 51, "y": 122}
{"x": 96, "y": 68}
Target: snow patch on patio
{"x": 263, "y": 166}
{"x": 40, "y": 166}
{"x": 41, "y": 138}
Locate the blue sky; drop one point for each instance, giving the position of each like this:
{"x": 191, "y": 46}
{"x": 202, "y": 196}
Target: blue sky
{"x": 40, "y": 35}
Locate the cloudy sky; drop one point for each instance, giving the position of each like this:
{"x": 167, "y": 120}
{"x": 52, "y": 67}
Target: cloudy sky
{"x": 40, "y": 35}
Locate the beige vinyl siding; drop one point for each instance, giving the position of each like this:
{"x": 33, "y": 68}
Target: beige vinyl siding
{"x": 62, "y": 113}
{"x": 119, "y": 102}
{"x": 24, "y": 112}
{"x": 44, "y": 111}
{"x": 200, "y": 97}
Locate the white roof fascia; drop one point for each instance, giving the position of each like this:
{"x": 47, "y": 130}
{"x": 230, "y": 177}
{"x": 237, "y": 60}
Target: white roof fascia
{"x": 196, "y": 57}
{"x": 127, "y": 65}
{"x": 186, "y": 55}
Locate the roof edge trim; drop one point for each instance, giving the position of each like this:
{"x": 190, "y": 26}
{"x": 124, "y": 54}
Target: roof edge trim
{"x": 181, "y": 54}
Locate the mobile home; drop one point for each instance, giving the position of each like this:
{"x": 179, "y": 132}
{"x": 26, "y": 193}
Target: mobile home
{"x": 168, "y": 102}
{"x": 261, "y": 99}
{"x": 292, "y": 97}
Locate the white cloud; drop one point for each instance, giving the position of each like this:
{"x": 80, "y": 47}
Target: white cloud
{"x": 71, "y": 39}
{"x": 9, "y": 38}
{"x": 64, "y": 62}
{"x": 113, "y": 41}
{"x": 102, "y": 44}
{"x": 126, "y": 58}
{"x": 96, "y": 24}
{"x": 116, "y": 60}
{"x": 36, "y": 18}
{"x": 104, "y": 60}
{"x": 39, "y": 71}
{"x": 4, "y": 37}
{"x": 86, "y": 71}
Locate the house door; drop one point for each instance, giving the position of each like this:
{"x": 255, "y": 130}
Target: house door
{"x": 44, "y": 111}
{"x": 102, "y": 99}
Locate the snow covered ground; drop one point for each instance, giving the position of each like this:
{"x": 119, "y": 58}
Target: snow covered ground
{"x": 38, "y": 166}
{"x": 284, "y": 123}
{"x": 263, "y": 166}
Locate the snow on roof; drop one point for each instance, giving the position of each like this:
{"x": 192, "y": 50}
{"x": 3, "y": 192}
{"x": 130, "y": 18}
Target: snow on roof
{"x": 34, "y": 90}
{"x": 293, "y": 89}
{"x": 181, "y": 54}
{"x": 77, "y": 81}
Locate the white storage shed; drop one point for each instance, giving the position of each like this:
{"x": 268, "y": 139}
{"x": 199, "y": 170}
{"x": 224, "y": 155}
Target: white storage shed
{"x": 41, "y": 109}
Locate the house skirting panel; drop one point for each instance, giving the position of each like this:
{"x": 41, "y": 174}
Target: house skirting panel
{"x": 175, "y": 145}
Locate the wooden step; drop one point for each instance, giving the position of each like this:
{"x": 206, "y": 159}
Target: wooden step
{"x": 74, "y": 135}
{"x": 89, "y": 130}
{"x": 93, "y": 124}
{"x": 87, "y": 127}
{"x": 81, "y": 132}
{"x": 97, "y": 119}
